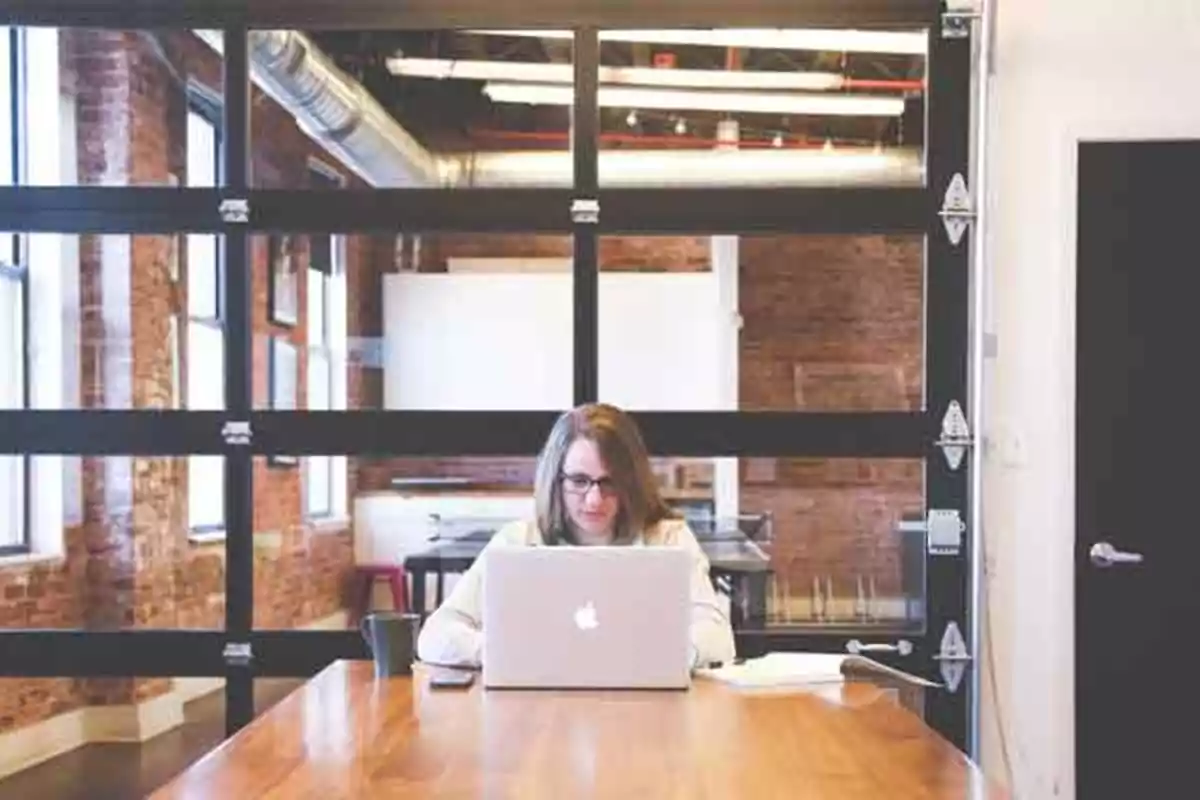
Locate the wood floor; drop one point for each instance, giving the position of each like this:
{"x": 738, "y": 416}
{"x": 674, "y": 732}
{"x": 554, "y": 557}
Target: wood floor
{"x": 132, "y": 771}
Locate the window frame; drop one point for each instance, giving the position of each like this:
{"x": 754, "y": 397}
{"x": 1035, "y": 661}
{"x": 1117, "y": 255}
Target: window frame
{"x": 323, "y": 346}
{"x": 210, "y": 111}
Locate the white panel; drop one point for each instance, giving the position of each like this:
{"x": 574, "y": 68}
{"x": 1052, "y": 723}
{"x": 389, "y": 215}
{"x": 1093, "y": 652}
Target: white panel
{"x": 659, "y": 341}
{"x": 503, "y": 341}
{"x": 472, "y": 342}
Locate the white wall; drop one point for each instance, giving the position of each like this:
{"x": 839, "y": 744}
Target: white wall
{"x": 1064, "y": 70}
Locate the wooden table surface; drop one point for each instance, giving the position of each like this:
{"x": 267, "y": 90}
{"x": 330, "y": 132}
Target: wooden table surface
{"x": 344, "y": 735}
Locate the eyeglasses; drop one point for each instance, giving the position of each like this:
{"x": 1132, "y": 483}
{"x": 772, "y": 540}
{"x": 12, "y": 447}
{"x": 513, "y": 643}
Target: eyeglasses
{"x": 581, "y": 484}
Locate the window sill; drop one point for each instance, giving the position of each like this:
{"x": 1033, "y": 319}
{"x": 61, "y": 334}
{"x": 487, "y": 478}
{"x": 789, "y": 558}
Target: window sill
{"x": 206, "y": 537}
{"x": 334, "y": 524}
{"x": 30, "y": 559}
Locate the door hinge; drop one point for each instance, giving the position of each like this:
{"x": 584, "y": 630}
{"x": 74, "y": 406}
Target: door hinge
{"x": 957, "y": 18}
{"x": 943, "y": 529}
{"x": 238, "y": 654}
{"x": 957, "y": 211}
{"x": 585, "y": 212}
{"x": 235, "y": 210}
{"x": 953, "y": 656}
{"x": 956, "y": 435}
{"x": 236, "y": 433}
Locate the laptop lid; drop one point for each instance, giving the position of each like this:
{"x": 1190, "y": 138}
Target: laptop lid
{"x": 587, "y": 617}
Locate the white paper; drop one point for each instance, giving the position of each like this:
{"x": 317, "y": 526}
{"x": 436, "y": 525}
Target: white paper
{"x": 783, "y": 669}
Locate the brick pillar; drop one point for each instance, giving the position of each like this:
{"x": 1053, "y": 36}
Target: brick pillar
{"x": 133, "y": 507}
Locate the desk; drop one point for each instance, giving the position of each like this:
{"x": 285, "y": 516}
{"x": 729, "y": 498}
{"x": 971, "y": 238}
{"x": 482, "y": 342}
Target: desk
{"x": 345, "y": 735}
{"x": 741, "y": 562}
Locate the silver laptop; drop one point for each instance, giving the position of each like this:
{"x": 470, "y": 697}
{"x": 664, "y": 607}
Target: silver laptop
{"x": 587, "y": 617}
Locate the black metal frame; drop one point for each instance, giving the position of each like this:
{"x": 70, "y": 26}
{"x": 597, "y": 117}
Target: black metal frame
{"x": 708, "y": 211}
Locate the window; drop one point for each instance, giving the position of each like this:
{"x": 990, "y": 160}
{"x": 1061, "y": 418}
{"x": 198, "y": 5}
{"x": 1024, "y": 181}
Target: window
{"x": 31, "y": 289}
{"x": 14, "y": 384}
{"x": 205, "y": 327}
{"x": 325, "y": 476}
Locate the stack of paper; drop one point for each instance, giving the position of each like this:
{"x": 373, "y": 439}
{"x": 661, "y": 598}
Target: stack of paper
{"x": 783, "y": 669}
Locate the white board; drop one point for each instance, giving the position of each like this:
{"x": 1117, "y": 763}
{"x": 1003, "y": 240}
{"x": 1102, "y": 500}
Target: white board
{"x": 504, "y": 341}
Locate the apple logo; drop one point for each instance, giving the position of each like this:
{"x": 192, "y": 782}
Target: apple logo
{"x": 585, "y": 617}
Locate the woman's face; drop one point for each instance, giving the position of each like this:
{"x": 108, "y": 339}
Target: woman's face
{"x": 589, "y": 496}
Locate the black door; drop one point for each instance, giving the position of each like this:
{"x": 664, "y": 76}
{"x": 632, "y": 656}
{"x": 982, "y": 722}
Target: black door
{"x": 1137, "y": 542}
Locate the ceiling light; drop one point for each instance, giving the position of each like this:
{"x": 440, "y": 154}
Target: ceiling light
{"x": 838, "y": 40}
{"x": 684, "y": 100}
{"x": 626, "y": 76}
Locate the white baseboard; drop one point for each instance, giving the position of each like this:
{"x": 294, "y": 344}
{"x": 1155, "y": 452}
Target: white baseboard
{"x": 29, "y": 746}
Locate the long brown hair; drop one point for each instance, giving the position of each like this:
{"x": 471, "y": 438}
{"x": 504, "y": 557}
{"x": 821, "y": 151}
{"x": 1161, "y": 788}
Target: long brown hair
{"x": 624, "y": 453}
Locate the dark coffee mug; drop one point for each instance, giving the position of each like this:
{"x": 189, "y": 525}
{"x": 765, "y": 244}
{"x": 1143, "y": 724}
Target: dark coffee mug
{"x": 392, "y": 638}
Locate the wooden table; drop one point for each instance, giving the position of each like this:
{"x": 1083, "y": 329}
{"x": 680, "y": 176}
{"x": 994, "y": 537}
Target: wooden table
{"x": 345, "y": 735}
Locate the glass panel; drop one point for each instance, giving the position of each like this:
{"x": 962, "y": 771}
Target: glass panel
{"x": 303, "y": 563}
{"x": 12, "y": 340}
{"x": 8, "y": 131}
{"x": 114, "y": 319}
{"x": 427, "y": 108}
{"x": 840, "y": 553}
{"x": 128, "y": 737}
{"x": 317, "y": 303}
{"x": 762, "y": 323}
{"x": 424, "y": 322}
{"x": 203, "y": 275}
{"x": 114, "y": 107}
{"x": 741, "y": 107}
{"x": 12, "y": 502}
{"x": 111, "y": 549}
{"x": 804, "y": 544}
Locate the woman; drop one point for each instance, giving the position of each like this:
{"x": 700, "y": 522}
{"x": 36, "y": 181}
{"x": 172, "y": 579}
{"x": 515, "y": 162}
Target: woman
{"x": 593, "y": 486}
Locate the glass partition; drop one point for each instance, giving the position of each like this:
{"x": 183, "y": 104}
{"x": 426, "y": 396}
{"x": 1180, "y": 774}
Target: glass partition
{"x": 441, "y": 321}
{"x": 750, "y": 107}
{"x": 410, "y": 109}
{"x": 762, "y": 323}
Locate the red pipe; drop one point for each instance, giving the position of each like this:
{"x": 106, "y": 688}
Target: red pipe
{"x": 867, "y": 83}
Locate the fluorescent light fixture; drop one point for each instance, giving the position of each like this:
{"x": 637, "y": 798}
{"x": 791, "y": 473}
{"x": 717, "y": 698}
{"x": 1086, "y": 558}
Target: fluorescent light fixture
{"x": 624, "y": 76}
{"x": 684, "y": 100}
{"x": 835, "y": 39}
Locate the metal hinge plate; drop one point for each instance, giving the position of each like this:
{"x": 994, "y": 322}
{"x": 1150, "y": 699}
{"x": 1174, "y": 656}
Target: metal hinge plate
{"x": 956, "y": 211}
{"x": 236, "y": 433}
{"x": 585, "y": 212}
{"x": 943, "y": 529}
{"x": 956, "y": 19}
{"x": 238, "y": 654}
{"x": 235, "y": 210}
{"x": 956, "y": 435}
{"x": 953, "y": 656}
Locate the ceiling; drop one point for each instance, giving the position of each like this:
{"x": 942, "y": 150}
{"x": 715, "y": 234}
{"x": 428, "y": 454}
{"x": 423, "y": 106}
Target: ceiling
{"x": 456, "y": 114}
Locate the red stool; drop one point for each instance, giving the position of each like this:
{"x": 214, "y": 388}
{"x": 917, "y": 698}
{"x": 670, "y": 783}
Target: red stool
{"x": 365, "y": 576}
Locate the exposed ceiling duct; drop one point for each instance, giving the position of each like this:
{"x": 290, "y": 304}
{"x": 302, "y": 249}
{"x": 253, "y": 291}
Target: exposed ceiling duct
{"x": 344, "y": 118}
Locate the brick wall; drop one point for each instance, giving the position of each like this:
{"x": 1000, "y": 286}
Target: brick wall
{"x": 832, "y": 323}
{"x": 129, "y": 562}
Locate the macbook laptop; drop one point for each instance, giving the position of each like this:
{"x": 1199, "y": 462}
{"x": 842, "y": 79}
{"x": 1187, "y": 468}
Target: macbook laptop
{"x": 587, "y": 617}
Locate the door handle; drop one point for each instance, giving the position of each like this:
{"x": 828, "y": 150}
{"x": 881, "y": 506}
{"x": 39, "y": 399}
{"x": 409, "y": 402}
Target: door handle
{"x": 1104, "y": 554}
{"x": 904, "y": 647}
